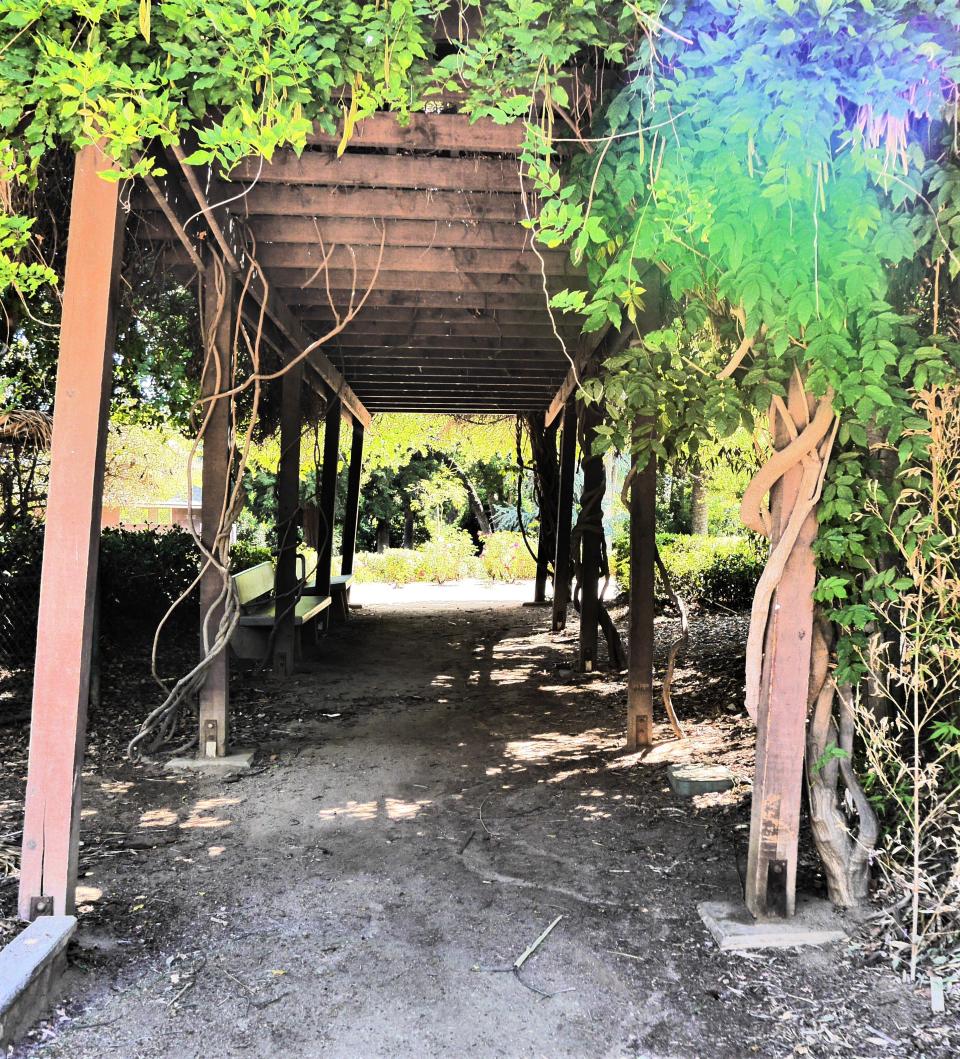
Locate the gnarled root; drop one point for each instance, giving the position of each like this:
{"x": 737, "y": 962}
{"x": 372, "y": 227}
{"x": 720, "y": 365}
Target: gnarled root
{"x": 845, "y": 855}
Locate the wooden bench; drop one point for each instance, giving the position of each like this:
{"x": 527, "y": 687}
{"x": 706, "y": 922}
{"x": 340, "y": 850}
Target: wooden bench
{"x": 256, "y": 590}
{"x": 340, "y": 593}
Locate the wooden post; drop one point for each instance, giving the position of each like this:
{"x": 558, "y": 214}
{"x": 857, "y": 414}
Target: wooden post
{"x": 545, "y": 460}
{"x": 351, "y": 516}
{"x": 288, "y": 507}
{"x": 328, "y": 500}
{"x": 61, "y": 685}
{"x": 543, "y": 559}
{"x": 217, "y": 377}
{"x": 591, "y": 517}
{"x": 568, "y": 468}
{"x": 643, "y": 505}
{"x": 782, "y": 710}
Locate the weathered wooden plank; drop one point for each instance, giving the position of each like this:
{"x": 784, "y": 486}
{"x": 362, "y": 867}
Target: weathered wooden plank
{"x": 291, "y": 280}
{"x": 61, "y": 685}
{"x": 491, "y": 343}
{"x": 405, "y": 259}
{"x": 431, "y": 132}
{"x": 530, "y": 302}
{"x": 309, "y": 201}
{"x": 383, "y": 171}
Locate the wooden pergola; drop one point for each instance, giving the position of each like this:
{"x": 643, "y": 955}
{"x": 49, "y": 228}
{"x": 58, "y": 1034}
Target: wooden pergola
{"x": 424, "y": 221}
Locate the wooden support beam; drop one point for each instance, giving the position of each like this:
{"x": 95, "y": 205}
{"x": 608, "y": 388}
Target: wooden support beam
{"x": 568, "y": 470}
{"x": 217, "y": 377}
{"x": 643, "y": 524}
{"x": 68, "y": 582}
{"x": 351, "y": 518}
{"x": 328, "y": 499}
{"x": 288, "y": 522}
{"x": 782, "y": 710}
{"x": 382, "y": 171}
{"x": 591, "y": 518}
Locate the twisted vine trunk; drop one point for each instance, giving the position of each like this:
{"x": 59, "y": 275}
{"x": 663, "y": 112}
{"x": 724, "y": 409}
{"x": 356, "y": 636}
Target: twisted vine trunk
{"x": 787, "y": 676}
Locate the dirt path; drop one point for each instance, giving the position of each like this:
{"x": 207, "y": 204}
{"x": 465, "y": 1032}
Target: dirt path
{"x": 423, "y": 805}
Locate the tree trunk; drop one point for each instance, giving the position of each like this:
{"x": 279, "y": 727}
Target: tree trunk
{"x": 407, "y": 525}
{"x": 383, "y": 535}
{"x": 476, "y": 504}
{"x": 698, "y": 501}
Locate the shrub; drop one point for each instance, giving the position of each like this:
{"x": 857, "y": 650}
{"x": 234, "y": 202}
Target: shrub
{"x": 505, "y": 557}
{"x": 395, "y": 566}
{"x": 247, "y": 553}
{"x": 709, "y": 571}
{"x": 448, "y": 556}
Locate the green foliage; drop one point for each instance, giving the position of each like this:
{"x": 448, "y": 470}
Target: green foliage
{"x": 141, "y": 573}
{"x": 245, "y": 553}
{"x": 449, "y": 555}
{"x": 704, "y": 571}
{"x": 505, "y": 557}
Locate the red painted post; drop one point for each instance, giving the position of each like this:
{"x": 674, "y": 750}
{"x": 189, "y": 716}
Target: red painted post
{"x": 71, "y": 544}
{"x": 643, "y": 520}
{"x": 782, "y": 710}
{"x": 217, "y": 377}
{"x": 568, "y": 469}
{"x": 288, "y": 506}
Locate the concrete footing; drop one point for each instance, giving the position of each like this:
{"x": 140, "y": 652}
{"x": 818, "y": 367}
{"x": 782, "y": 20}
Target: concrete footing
{"x": 240, "y": 759}
{"x": 30, "y": 968}
{"x": 690, "y": 779}
{"x": 732, "y": 926}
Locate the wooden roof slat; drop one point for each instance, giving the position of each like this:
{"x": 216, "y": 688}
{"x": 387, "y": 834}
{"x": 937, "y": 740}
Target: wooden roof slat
{"x": 296, "y": 279}
{"x": 383, "y": 171}
{"x": 397, "y": 317}
{"x": 368, "y": 232}
{"x": 528, "y": 302}
{"x": 283, "y": 200}
{"x": 410, "y": 259}
{"x": 431, "y": 132}
{"x": 429, "y": 343}
{"x": 417, "y": 329}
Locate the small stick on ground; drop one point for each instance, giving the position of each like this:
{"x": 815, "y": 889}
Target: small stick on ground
{"x": 531, "y": 949}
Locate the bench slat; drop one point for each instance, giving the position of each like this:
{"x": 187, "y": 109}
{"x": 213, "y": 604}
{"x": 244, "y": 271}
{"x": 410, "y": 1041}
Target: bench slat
{"x": 308, "y": 607}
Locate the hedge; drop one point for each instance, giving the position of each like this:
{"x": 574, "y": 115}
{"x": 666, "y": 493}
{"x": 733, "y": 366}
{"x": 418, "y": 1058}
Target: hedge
{"x": 705, "y": 571}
